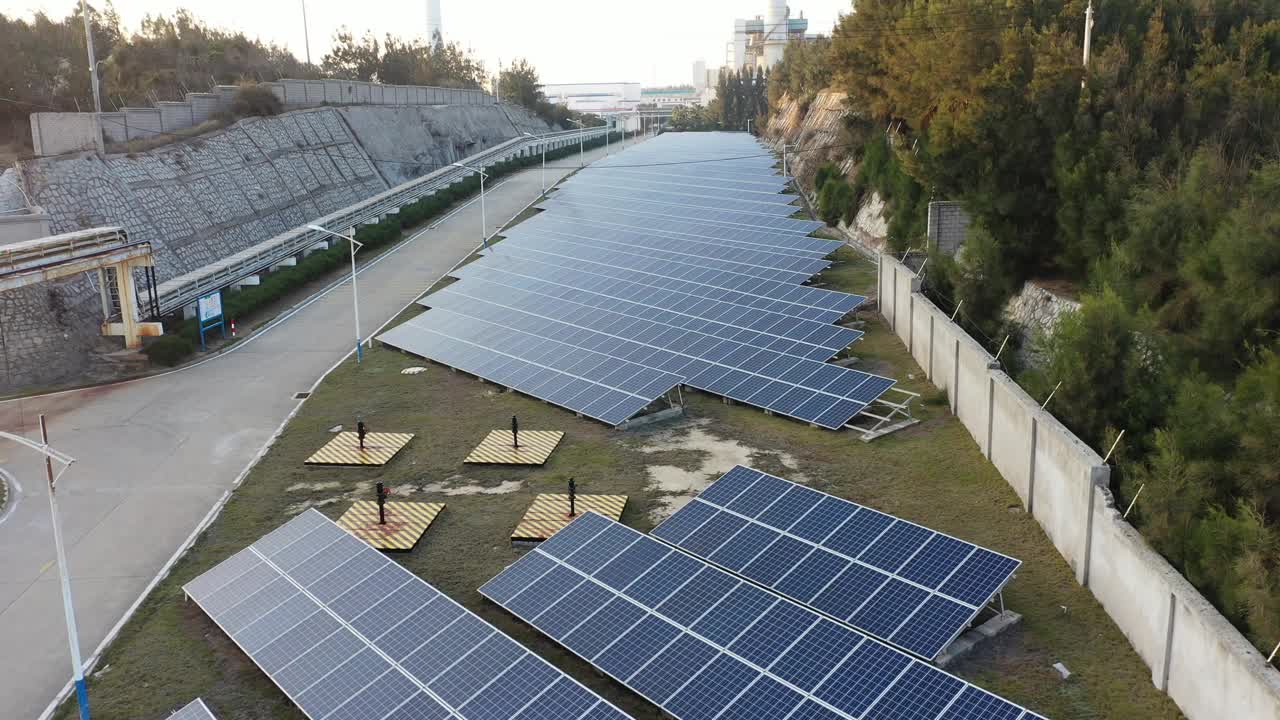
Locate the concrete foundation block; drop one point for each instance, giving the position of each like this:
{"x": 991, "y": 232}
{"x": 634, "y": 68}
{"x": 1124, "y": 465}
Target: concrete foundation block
{"x": 287, "y": 262}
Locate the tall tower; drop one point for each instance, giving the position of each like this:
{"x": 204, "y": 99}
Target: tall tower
{"x": 775, "y": 32}
{"x": 435, "y": 30}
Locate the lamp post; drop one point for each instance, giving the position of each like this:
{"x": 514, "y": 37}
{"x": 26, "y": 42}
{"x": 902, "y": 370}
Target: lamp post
{"x": 543, "y": 143}
{"x": 582, "y": 154}
{"x": 355, "y": 294}
{"x": 64, "y": 578}
{"x": 484, "y": 229}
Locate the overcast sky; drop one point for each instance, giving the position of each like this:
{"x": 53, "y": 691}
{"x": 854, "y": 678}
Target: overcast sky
{"x": 567, "y": 40}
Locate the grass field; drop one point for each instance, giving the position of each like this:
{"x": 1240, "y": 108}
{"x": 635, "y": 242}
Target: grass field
{"x": 931, "y": 473}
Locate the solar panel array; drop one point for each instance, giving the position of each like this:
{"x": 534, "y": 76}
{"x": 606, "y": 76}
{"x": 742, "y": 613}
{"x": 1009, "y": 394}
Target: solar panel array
{"x": 702, "y": 644}
{"x": 888, "y": 577}
{"x": 194, "y": 710}
{"x": 348, "y": 634}
{"x": 625, "y": 280}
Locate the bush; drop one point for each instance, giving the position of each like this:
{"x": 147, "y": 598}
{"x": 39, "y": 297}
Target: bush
{"x": 835, "y": 200}
{"x": 255, "y": 101}
{"x": 169, "y": 350}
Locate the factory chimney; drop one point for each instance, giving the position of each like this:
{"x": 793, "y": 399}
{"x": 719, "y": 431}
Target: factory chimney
{"x": 775, "y": 32}
{"x": 435, "y": 31}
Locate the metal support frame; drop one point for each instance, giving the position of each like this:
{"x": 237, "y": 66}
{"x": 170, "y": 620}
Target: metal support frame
{"x": 896, "y": 413}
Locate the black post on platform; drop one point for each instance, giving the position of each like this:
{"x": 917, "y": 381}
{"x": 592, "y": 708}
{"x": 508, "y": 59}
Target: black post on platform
{"x": 361, "y": 431}
{"x": 515, "y": 432}
{"x": 382, "y": 499}
{"x": 573, "y": 496}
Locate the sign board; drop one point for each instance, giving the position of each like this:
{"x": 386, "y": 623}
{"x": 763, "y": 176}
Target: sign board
{"x": 211, "y": 306}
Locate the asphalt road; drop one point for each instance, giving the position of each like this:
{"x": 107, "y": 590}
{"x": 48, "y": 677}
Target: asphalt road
{"x": 155, "y": 455}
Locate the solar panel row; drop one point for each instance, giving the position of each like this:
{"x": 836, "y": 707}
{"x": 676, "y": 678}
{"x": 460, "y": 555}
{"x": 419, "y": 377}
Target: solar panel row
{"x": 789, "y": 299}
{"x": 347, "y": 633}
{"x": 682, "y": 246}
{"x": 760, "y": 184}
{"x": 635, "y": 194}
{"x": 709, "y": 190}
{"x": 649, "y": 207}
{"x": 536, "y": 237}
{"x": 702, "y": 644}
{"x": 723, "y": 319}
{"x": 891, "y": 578}
{"x": 726, "y": 235}
{"x": 684, "y": 226}
{"x": 598, "y": 386}
{"x": 820, "y": 393}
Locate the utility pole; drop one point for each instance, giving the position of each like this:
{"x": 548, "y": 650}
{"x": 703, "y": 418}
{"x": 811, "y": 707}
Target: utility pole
{"x": 64, "y": 574}
{"x": 306, "y": 33}
{"x": 1088, "y": 32}
{"x": 93, "y": 62}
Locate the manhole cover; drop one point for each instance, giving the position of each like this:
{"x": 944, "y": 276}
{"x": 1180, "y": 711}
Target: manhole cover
{"x": 301, "y": 395}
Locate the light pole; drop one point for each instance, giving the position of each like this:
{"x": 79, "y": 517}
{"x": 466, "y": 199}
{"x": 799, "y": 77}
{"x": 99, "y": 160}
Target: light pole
{"x": 484, "y": 229}
{"x": 355, "y": 294}
{"x": 64, "y": 578}
{"x": 582, "y": 154}
{"x": 544, "y": 160}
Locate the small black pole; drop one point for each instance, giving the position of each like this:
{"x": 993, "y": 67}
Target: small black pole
{"x": 573, "y": 495}
{"x": 382, "y": 499}
{"x": 515, "y": 432}
{"x": 360, "y": 432}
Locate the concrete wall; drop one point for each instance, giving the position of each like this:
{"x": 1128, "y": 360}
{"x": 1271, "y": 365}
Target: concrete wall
{"x": 45, "y": 331}
{"x": 58, "y": 133}
{"x": 948, "y": 226}
{"x": 1209, "y": 669}
{"x": 15, "y": 227}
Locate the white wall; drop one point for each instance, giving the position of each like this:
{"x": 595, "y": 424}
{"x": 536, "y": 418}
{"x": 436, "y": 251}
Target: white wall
{"x": 1209, "y": 669}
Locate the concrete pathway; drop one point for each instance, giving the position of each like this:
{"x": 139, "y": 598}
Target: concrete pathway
{"x": 156, "y": 454}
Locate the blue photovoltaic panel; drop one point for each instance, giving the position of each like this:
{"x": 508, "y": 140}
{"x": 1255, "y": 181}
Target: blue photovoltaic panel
{"x": 594, "y": 384}
{"x": 298, "y": 603}
{"x": 702, "y": 644}
{"x": 786, "y": 298}
{"x": 896, "y": 580}
{"x": 723, "y": 367}
{"x": 703, "y": 190}
{"x": 751, "y": 207}
{"x": 648, "y": 207}
{"x": 194, "y": 710}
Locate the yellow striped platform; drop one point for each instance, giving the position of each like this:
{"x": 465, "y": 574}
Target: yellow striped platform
{"x": 344, "y": 449}
{"x": 406, "y": 522}
{"x": 550, "y": 512}
{"x": 535, "y": 447}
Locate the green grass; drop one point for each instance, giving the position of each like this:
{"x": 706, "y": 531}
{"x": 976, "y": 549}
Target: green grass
{"x": 931, "y": 473}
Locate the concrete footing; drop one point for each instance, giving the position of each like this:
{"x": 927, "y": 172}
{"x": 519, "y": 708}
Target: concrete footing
{"x": 965, "y": 644}
{"x": 287, "y": 262}
{"x": 246, "y": 282}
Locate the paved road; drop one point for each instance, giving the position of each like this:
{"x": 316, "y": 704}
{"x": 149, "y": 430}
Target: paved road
{"x": 156, "y": 454}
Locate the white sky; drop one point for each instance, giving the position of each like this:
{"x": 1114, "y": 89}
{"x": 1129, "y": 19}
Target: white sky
{"x": 652, "y": 42}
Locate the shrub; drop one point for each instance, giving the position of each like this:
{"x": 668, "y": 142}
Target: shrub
{"x": 255, "y": 101}
{"x": 169, "y": 350}
{"x": 835, "y": 200}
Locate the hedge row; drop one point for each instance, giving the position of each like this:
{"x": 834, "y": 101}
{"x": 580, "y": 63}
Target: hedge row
{"x": 281, "y": 283}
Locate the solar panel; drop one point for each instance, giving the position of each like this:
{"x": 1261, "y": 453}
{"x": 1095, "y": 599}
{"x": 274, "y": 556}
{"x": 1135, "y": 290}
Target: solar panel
{"x": 537, "y": 238}
{"x": 760, "y": 183}
{"x": 648, "y": 207}
{"x": 690, "y": 249}
{"x": 593, "y": 384}
{"x": 194, "y": 710}
{"x": 914, "y": 587}
{"x": 723, "y": 319}
{"x": 788, "y": 243}
{"x": 700, "y": 643}
{"x": 349, "y": 634}
{"x": 787, "y": 298}
{"x": 669, "y": 184}
{"x": 753, "y": 207}
{"x": 825, "y": 395}
{"x": 758, "y": 328}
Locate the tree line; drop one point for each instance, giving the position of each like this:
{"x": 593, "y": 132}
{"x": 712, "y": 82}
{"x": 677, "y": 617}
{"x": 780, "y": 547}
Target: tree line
{"x": 741, "y": 95}
{"x": 1149, "y": 181}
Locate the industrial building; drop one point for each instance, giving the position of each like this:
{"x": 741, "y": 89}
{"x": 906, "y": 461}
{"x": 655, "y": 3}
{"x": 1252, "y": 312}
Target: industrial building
{"x": 761, "y": 40}
{"x": 598, "y": 98}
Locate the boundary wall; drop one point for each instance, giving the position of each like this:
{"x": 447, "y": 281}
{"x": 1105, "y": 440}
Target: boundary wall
{"x": 1196, "y": 656}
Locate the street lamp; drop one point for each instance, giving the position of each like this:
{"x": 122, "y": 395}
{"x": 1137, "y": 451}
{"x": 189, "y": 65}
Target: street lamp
{"x": 544, "y": 160}
{"x": 73, "y": 636}
{"x": 355, "y": 295}
{"x": 582, "y": 154}
{"x": 484, "y": 229}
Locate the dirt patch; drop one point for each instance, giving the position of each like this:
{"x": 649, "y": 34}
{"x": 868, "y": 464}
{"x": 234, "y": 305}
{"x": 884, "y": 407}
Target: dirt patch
{"x": 701, "y": 458}
{"x": 450, "y": 486}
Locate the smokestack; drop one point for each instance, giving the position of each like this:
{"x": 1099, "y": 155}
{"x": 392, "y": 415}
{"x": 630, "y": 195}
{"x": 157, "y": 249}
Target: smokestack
{"x": 435, "y": 30}
{"x": 775, "y": 32}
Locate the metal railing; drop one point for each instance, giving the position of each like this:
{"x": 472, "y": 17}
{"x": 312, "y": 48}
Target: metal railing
{"x": 187, "y": 288}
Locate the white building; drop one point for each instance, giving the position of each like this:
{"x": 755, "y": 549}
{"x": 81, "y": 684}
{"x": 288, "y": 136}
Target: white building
{"x": 599, "y": 98}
